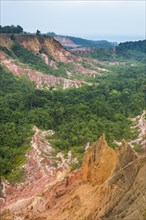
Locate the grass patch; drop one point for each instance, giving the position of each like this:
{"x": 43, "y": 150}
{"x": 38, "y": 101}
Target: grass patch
{"x": 16, "y": 176}
{"x": 8, "y": 52}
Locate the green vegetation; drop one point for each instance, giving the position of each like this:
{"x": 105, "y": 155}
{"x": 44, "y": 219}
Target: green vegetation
{"x": 133, "y": 51}
{"x": 76, "y": 115}
{"x": 138, "y": 148}
{"x": 35, "y": 62}
{"x": 132, "y": 45}
{"x": 98, "y": 53}
{"x": 26, "y": 56}
{"x": 8, "y": 52}
{"x": 91, "y": 43}
{"x": 15, "y": 132}
{"x": 11, "y": 29}
{"x": 16, "y": 176}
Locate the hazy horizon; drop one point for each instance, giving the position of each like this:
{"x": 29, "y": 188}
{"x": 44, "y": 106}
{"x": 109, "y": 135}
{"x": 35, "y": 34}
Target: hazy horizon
{"x": 117, "y": 39}
{"x": 115, "y": 21}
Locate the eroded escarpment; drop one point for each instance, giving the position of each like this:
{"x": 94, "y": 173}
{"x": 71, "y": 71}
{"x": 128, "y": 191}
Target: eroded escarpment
{"x": 46, "y": 50}
{"x": 43, "y": 169}
{"x": 42, "y": 80}
{"x": 110, "y": 185}
{"x": 140, "y": 125}
{"x": 38, "y": 43}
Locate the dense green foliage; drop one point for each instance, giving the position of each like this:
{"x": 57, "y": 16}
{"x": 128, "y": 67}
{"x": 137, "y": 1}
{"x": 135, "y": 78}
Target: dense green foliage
{"x": 15, "y": 132}
{"x": 132, "y": 50}
{"x": 130, "y": 45}
{"x": 98, "y": 53}
{"x": 11, "y": 29}
{"x": 76, "y": 115}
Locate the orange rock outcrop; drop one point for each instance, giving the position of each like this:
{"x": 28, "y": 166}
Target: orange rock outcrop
{"x": 109, "y": 186}
{"x": 99, "y": 162}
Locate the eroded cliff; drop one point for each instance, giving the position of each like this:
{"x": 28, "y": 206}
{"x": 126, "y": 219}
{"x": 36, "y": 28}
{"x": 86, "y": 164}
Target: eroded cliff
{"x": 45, "y": 61}
{"x": 42, "y": 81}
{"x": 36, "y": 44}
{"x": 109, "y": 186}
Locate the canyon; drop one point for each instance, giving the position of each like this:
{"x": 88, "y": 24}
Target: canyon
{"x": 81, "y": 179}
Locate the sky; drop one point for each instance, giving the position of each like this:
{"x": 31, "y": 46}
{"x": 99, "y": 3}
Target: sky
{"x": 98, "y": 20}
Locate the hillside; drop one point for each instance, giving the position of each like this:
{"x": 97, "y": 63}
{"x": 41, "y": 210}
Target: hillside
{"x": 70, "y": 41}
{"x": 127, "y": 51}
{"x": 132, "y": 50}
{"x": 45, "y": 61}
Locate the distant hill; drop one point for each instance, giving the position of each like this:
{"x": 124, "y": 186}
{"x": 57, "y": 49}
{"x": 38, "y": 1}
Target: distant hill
{"x": 132, "y": 50}
{"x": 80, "y": 42}
{"x": 132, "y": 45}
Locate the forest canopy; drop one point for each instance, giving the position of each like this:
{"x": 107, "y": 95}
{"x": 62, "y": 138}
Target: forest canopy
{"x": 77, "y": 116}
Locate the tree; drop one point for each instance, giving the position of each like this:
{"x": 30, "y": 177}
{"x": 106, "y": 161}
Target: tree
{"x": 11, "y": 29}
{"x": 19, "y": 29}
{"x": 38, "y": 32}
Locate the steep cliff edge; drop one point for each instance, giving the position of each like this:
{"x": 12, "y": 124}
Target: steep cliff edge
{"x": 99, "y": 160}
{"x": 36, "y": 44}
{"x": 42, "y": 81}
{"x": 45, "y": 61}
{"x": 109, "y": 186}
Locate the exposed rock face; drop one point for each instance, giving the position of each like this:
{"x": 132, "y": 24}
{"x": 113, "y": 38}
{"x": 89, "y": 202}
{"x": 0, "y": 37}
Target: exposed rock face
{"x": 80, "y": 69}
{"x": 99, "y": 162}
{"x": 110, "y": 186}
{"x": 51, "y": 52}
{"x": 140, "y": 124}
{"x": 37, "y": 43}
{"x": 48, "y": 61}
{"x": 124, "y": 192}
{"x": 42, "y": 170}
{"x": 5, "y": 40}
{"x": 66, "y": 42}
{"x": 42, "y": 80}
